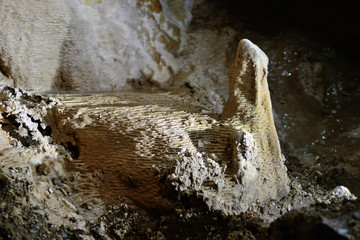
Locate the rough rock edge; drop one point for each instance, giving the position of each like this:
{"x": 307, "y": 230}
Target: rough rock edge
{"x": 254, "y": 175}
{"x": 34, "y": 180}
{"x": 27, "y": 113}
{"x": 37, "y": 162}
{"x": 258, "y": 173}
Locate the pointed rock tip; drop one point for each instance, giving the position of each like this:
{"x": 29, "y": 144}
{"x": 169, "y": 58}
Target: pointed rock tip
{"x": 247, "y": 48}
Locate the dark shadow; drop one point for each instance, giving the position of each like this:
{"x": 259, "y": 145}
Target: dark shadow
{"x": 4, "y": 69}
{"x": 76, "y": 67}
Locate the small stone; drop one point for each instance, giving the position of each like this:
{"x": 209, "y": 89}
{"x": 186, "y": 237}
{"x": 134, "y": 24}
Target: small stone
{"x": 56, "y": 181}
{"x": 69, "y": 204}
{"x": 63, "y": 234}
{"x": 101, "y": 229}
{"x": 357, "y": 215}
{"x": 86, "y": 206}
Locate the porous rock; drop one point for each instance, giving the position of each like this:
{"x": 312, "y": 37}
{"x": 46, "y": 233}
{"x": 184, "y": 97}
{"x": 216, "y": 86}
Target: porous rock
{"x": 29, "y": 162}
{"x": 127, "y": 143}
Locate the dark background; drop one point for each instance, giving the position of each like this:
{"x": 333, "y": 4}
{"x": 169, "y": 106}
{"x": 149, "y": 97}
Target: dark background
{"x": 335, "y": 23}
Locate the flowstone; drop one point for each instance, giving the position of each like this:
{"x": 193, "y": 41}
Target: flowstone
{"x": 138, "y": 145}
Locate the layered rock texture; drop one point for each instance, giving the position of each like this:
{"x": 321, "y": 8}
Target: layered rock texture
{"x": 249, "y": 110}
{"x": 131, "y": 141}
{"x": 70, "y": 45}
{"x": 133, "y": 44}
{"x": 89, "y": 150}
{"x": 140, "y": 133}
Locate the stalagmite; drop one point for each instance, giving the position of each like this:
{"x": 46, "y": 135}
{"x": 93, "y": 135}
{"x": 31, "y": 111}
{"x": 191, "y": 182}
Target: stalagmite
{"x": 136, "y": 145}
{"x": 248, "y": 111}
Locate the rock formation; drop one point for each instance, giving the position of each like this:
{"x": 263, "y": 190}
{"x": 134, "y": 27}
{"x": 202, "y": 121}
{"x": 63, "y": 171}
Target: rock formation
{"x": 249, "y": 110}
{"x": 86, "y": 162}
{"x": 69, "y": 45}
{"x": 130, "y": 142}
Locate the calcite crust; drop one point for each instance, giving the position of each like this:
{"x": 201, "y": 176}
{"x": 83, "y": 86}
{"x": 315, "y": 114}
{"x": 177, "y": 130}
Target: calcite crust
{"x": 131, "y": 142}
{"x": 141, "y": 144}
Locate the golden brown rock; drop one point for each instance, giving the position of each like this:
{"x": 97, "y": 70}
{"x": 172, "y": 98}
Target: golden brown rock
{"x": 248, "y": 110}
{"x": 137, "y": 145}
{"x": 127, "y": 144}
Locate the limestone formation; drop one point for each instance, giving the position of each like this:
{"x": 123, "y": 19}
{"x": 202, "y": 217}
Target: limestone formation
{"x": 146, "y": 164}
{"x": 31, "y": 38}
{"x": 27, "y": 154}
{"x": 88, "y": 45}
{"x": 138, "y": 145}
{"x": 81, "y": 46}
{"x": 248, "y": 109}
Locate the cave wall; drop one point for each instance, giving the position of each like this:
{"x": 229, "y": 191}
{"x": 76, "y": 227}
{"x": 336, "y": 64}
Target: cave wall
{"x": 90, "y": 45}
